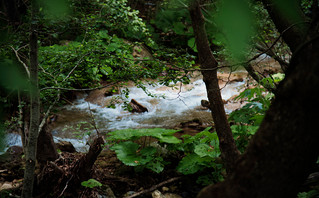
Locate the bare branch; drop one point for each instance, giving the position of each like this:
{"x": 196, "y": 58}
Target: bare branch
{"x": 18, "y": 57}
{"x": 154, "y": 187}
{"x": 79, "y": 62}
{"x": 93, "y": 121}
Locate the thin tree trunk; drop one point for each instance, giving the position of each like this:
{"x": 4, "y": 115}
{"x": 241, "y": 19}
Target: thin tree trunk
{"x": 31, "y": 148}
{"x": 285, "y": 148}
{"x": 229, "y": 151}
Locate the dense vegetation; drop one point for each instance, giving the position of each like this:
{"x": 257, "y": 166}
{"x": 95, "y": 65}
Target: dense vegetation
{"x": 87, "y": 45}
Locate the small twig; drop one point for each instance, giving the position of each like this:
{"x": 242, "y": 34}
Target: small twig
{"x": 93, "y": 121}
{"x": 66, "y": 100}
{"x": 18, "y": 57}
{"x": 154, "y": 187}
{"x": 54, "y": 102}
{"x": 66, "y": 186}
{"x": 48, "y": 112}
{"x": 228, "y": 80}
{"x": 72, "y": 70}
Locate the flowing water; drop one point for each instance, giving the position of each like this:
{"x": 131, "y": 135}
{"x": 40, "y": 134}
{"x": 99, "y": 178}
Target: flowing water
{"x": 171, "y": 107}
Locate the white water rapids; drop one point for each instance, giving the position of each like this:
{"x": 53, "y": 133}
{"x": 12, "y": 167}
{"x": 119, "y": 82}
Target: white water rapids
{"x": 179, "y": 105}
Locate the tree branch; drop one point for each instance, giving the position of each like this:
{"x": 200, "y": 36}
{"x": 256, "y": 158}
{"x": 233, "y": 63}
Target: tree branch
{"x": 85, "y": 89}
{"x": 18, "y": 57}
{"x": 154, "y": 187}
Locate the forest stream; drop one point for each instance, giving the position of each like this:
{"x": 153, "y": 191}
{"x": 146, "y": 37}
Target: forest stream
{"x": 180, "y": 104}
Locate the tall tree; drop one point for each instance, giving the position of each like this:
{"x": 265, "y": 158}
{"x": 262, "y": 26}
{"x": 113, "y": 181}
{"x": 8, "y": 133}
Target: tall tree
{"x": 285, "y": 148}
{"x": 283, "y": 151}
{"x": 209, "y": 66}
{"x": 32, "y": 138}
{"x": 290, "y": 21}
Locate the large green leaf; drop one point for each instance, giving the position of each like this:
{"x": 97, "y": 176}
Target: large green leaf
{"x": 169, "y": 139}
{"x": 163, "y": 135}
{"x": 156, "y": 165}
{"x": 146, "y": 155}
{"x": 204, "y": 150}
{"x": 190, "y": 164}
{"x": 126, "y": 152}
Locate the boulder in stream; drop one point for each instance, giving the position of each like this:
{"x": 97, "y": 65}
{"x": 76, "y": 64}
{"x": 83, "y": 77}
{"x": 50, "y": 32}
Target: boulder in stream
{"x": 98, "y": 96}
{"x": 137, "y": 107}
{"x": 205, "y": 103}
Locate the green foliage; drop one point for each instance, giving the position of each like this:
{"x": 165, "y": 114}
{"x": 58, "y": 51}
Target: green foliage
{"x": 310, "y": 194}
{"x": 54, "y": 9}
{"x": 173, "y": 20}
{"x": 235, "y": 20}
{"x": 131, "y": 155}
{"x": 119, "y": 15}
{"x": 199, "y": 152}
{"x": 253, "y": 112}
{"x": 248, "y": 118}
{"x": 91, "y": 183}
{"x": 163, "y": 135}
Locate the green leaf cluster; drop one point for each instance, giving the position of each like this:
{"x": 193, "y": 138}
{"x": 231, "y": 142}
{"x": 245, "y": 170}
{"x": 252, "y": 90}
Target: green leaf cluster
{"x": 198, "y": 152}
{"x": 91, "y": 183}
{"x": 253, "y": 112}
{"x": 131, "y": 155}
{"x": 247, "y": 119}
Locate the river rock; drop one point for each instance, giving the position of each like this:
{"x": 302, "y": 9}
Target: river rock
{"x": 98, "y": 96}
{"x": 137, "y": 107}
{"x": 12, "y": 154}
{"x": 6, "y": 186}
{"x": 157, "y": 194}
{"x": 15, "y": 150}
{"x": 65, "y": 146}
{"x": 205, "y": 103}
{"x": 195, "y": 123}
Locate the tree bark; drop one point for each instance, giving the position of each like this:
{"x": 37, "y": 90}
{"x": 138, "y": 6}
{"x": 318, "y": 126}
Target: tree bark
{"x": 208, "y": 64}
{"x": 31, "y": 148}
{"x": 293, "y": 32}
{"x": 285, "y": 148}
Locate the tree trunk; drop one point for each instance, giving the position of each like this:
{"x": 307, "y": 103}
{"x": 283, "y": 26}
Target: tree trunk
{"x": 285, "y": 148}
{"x": 34, "y": 115}
{"x": 208, "y": 64}
{"x": 293, "y": 32}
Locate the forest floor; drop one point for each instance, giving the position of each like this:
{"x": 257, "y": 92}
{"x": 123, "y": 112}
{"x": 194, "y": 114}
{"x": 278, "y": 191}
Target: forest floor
{"x": 122, "y": 180}
{"x": 108, "y": 170}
